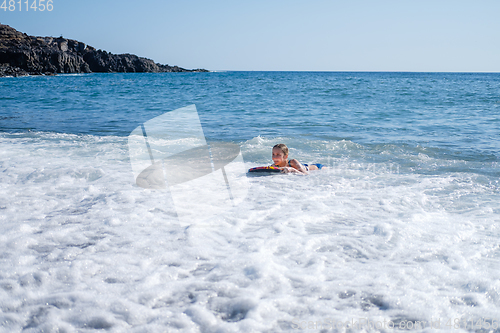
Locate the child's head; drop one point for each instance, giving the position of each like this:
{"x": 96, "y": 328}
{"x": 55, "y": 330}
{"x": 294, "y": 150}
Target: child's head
{"x": 280, "y": 153}
{"x": 282, "y": 147}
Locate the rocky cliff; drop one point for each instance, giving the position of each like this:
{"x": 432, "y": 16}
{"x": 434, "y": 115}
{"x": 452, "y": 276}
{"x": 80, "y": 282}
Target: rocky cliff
{"x": 21, "y": 54}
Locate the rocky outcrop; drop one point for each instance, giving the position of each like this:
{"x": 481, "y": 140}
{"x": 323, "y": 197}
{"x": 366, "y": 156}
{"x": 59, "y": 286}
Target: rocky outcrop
{"x": 21, "y": 54}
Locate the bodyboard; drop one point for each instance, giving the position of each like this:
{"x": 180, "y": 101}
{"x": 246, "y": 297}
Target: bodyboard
{"x": 265, "y": 169}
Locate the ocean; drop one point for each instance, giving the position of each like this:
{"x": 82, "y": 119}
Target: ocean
{"x": 400, "y": 231}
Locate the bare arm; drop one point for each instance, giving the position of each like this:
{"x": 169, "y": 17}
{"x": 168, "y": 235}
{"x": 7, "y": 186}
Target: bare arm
{"x": 298, "y": 167}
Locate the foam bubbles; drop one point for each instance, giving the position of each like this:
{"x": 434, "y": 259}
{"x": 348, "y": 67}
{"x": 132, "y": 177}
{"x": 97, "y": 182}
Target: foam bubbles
{"x": 83, "y": 248}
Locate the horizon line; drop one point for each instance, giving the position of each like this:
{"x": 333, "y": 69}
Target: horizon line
{"x": 356, "y": 71}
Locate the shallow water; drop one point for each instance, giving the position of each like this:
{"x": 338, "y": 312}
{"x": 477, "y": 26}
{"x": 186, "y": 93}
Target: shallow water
{"x": 401, "y": 227}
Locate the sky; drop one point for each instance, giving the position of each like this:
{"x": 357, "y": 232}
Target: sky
{"x": 279, "y": 35}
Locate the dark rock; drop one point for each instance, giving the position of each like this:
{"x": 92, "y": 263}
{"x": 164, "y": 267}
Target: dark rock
{"x": 21, "y": 54}
{"x": 8, "y": 70}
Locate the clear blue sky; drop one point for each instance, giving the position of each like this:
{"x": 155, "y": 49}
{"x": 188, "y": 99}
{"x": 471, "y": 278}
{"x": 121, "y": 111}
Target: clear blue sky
{"x": 314, "y": 35}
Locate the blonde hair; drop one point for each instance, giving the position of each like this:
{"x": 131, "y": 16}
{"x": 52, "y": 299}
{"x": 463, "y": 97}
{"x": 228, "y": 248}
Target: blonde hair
{"x": 282, "y": 147}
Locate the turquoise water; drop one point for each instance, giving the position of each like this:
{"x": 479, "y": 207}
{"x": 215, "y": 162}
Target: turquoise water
{"x": 457, "y": 112}
{"x": 449, "y": 115}
{"x": 402, "y": 226}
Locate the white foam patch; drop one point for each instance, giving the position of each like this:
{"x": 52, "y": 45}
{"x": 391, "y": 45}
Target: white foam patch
{"x": 83, "y": 248}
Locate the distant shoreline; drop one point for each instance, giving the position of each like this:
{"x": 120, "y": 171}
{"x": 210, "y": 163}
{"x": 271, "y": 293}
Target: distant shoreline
{"x": 22, "y": 55}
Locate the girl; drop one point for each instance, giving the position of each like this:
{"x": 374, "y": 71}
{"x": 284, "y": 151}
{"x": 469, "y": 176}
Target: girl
{"x": 280, "y": 159}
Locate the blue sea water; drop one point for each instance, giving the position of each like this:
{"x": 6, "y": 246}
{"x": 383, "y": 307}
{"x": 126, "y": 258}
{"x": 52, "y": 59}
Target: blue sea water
{"x": 452, "y": 113}
{"x": 402, "y": 226}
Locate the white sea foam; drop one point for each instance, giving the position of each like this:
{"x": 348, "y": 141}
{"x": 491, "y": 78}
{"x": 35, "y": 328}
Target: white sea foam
{"x": 370, "y": 238}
